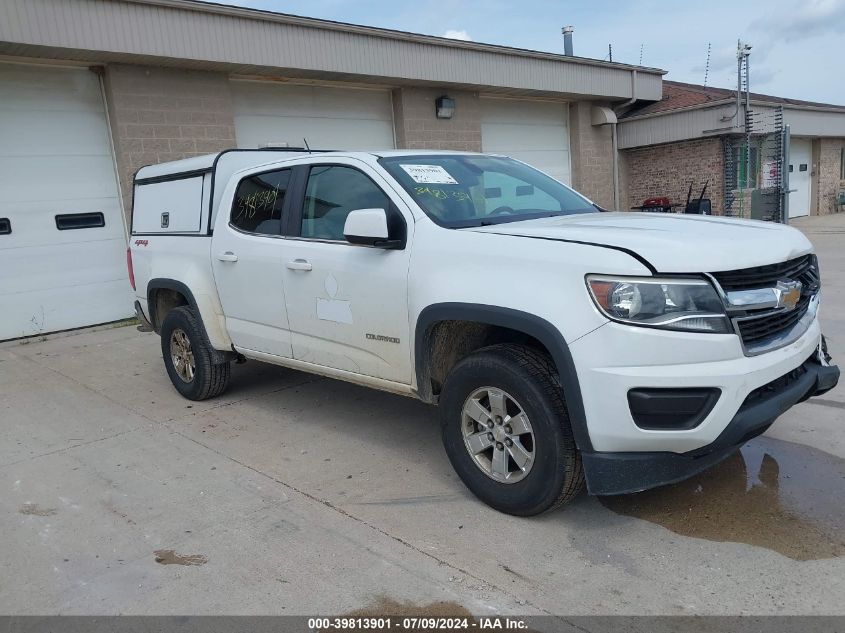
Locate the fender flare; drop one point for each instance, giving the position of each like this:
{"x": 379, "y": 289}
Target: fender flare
{"x": 167, "y": 284}
{"x": 520, "y": 321}
{"x": 161, "y": 283}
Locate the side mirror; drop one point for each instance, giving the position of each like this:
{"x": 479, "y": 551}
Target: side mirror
{"x": 368, "y": 227}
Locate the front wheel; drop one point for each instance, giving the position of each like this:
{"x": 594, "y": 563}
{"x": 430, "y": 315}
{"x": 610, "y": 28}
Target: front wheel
{"x": 507, "y": 433}
{"x": 188, "y": 357}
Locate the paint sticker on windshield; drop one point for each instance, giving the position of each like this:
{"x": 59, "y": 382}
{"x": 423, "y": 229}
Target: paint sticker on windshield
{"x": 429, "y": 174}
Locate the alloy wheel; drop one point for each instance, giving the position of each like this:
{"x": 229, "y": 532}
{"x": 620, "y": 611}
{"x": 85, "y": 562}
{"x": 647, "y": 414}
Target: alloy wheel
{"x": 498, "y": 435}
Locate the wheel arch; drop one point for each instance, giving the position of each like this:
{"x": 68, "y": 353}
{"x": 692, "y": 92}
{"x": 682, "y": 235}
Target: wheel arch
{"x": 180, "y": 288}
{"x": 517, "y": 321}
{"x": 155, "y": 285}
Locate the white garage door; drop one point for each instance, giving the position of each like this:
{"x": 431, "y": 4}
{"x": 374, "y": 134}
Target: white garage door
{"x": 329, "y": 118}
{"x": 535, "y": 132}
{"x": 62, "y": 240}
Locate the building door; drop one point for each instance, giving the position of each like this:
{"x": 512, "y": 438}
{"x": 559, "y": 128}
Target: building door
{"x": 327, "y": 117}
{"x": 62, "y": 235}
{"x": 800, "y": 168}
{"x": 535, "y": 132}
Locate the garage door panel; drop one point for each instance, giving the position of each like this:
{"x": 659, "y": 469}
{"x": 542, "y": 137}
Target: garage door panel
{"x": 27, "y": 132}
{"x": 39, "y": 311}
{"x": 263, "y": 98}
{"x": 548, "y": 162}
{"x": 535, "y": 132}
{"x": 65, "y": 265}
{"x": 329, "y": 118}
{"x": 528, "y": 112}
{"x": 55, "y": 158}
{"x": 42, "y": 88}
{"x": 523, "y": 137}
{"x": 34, "y": 223}
{"x": 56, "y": 178}
{"x": 320, "y": 133}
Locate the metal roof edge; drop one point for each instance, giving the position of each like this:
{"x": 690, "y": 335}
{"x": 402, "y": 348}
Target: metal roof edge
{"x": 316, "y": 23}
{"x": 731, "y": 101}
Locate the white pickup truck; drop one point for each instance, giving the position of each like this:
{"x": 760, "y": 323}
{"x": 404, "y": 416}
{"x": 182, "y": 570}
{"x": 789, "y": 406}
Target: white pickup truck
{"x": 563, "y": 344}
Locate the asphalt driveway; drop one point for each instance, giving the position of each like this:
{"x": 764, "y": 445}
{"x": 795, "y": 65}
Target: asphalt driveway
{"x": 293, "y": 494}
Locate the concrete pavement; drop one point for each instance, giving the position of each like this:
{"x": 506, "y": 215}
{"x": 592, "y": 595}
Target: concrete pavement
{"x": 303, "y": 495}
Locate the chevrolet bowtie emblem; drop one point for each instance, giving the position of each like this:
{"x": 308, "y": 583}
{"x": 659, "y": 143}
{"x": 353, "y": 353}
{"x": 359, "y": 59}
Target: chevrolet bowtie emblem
{"x": 788, "y": 293}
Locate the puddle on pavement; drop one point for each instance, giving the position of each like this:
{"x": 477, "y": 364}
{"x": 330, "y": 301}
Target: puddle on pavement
{"x": 33, "y": 509}
{"x": 170, "y": 557}
{"x": 782, "y": 496}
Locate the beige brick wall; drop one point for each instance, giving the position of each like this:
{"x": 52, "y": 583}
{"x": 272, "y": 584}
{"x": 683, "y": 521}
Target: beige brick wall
{"x": 162, "y": 114}
{"x": 591, "y": 148}
{"x": 667, "y": 170}
{"x": 417, "y": 127}
{"x": 829, "y": 172}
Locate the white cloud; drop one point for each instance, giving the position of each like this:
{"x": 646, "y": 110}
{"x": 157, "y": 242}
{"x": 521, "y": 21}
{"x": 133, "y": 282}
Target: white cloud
{"x": 809, "y": 19}
{"x": 453, "y": 34}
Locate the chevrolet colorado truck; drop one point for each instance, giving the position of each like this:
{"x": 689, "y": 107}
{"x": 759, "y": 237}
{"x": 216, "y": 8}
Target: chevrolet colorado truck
{"x": 563, "y": 345}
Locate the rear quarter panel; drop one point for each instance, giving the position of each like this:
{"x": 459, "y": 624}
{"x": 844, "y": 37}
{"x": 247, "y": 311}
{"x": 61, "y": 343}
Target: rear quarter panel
{"x": 185, "y": 259}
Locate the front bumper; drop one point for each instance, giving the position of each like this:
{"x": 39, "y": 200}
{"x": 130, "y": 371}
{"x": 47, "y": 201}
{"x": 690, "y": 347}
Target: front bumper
{"x": 624, "y": 472}
{"x": 615, "y": 359}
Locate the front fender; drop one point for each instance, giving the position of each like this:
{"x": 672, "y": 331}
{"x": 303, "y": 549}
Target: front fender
{"x": 529, "y": 324}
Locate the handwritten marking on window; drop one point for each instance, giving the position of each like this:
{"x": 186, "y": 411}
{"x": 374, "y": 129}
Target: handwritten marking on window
{"x": 260, "y": 201}
{"x": 441, "y": 194}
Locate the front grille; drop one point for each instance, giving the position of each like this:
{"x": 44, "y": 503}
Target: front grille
{"x": 803, "y": 269}
{"x": 757, "y": 327}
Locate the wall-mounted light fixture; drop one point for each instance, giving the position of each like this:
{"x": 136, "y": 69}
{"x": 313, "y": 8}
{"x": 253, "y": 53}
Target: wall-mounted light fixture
{"x": 444, "y": 107}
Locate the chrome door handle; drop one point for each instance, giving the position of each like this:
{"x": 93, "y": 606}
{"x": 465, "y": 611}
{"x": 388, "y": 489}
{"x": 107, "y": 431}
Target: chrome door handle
{"x": 228, "y": 256}
{"x": 299, "y": 264}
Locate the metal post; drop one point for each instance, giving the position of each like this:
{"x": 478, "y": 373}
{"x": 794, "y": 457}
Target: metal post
{"x": 616, "y": 202}
{"x": 785, "y": 175}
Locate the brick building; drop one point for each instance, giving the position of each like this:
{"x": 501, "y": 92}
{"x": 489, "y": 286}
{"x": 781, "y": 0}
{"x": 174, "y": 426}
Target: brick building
{"x": 686, "y": 137}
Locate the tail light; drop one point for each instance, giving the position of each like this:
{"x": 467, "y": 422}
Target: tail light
{"x": 129, "y": 268}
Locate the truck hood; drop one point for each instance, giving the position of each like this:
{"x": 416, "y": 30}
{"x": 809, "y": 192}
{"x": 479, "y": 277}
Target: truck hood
{"x": 671, "y": 243}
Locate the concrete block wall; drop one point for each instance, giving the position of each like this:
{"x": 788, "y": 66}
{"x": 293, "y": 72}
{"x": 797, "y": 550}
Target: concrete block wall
{"x": 160, "y": 114}
{"x": 829, "y": 174}
{"x": 591, "y": 149}
{"x": 417, "y": 127}
{"x": 667, "y": 170}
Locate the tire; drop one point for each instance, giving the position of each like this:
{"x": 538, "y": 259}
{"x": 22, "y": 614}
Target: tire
{"x": 207, "y": 379}
{"x": 528, "y": 381}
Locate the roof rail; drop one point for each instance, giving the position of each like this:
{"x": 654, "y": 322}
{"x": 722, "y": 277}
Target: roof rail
{"x": 289, "y": 149}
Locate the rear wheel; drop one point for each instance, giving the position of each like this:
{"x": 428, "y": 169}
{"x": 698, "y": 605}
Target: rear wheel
{"x": 188, "y": 357}
{"x": 507, "y": 433}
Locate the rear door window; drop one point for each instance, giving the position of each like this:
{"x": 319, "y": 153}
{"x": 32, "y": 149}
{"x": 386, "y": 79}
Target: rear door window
{"x": 258, "y": 203}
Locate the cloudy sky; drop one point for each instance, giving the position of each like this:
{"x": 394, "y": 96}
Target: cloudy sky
{"x": 798, "y": 45}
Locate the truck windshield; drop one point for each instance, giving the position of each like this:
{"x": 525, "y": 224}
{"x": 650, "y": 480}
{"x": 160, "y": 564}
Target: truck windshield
{"x": 459, "y": 191}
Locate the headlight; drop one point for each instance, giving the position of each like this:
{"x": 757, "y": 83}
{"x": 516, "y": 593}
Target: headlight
{"x": 690, "y": 305}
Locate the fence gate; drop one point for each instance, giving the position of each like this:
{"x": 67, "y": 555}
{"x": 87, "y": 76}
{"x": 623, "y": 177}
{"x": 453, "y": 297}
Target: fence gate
{"x": 756, "y": 179}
